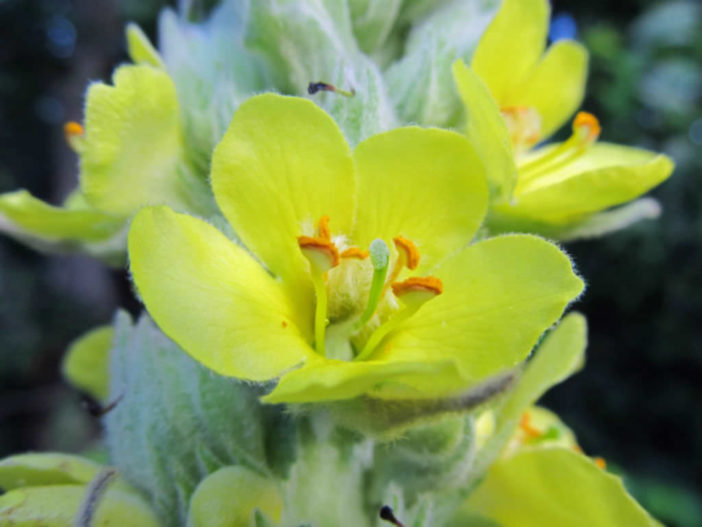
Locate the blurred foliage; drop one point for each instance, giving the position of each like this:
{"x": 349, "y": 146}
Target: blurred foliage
{"x": 636, "y": 401}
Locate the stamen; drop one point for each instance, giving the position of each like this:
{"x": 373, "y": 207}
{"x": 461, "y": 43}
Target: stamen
{"x": 586, "y": 130}
{"x": 414, "y": 293}
{"x": 600, "y": 462}
{"x": 409, "y": 250}
{"x": 73, "y": 133}
{"x": 314, "y": 87}
{"x": 356, "y": 253}
{"x": 322, "y": 255}
{"x": 587, "y": 126}
{"x": 380, "y": 257}
{"x": 524, "y": 126}
{"x": 527, "y": 428}
{"x": 323, "y": 228}
{"x": 417, "y": 284}
{"x": 407, "y": 256}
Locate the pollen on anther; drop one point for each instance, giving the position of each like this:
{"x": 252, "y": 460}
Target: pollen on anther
{"x": 424, "y": 284}
{"x": 321, "y": 246}
{"x": 590, "y": 123}
{"x": 527, "y": 428}
{"x": 323, "y": 228}
{"x": 409, "y": 249}
{"x": 355, "y": 252}
{"x": 600, "y": 462}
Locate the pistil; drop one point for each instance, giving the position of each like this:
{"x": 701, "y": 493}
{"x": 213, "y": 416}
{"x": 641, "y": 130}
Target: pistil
{"x": 380, "y": 257}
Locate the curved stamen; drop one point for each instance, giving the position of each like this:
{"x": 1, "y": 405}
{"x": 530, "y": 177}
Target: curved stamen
{"x": 73, "y": 133}
{"x": 322, "y": 255}
{"x": 414, "y": 293}
{"x": 586, "y": 130}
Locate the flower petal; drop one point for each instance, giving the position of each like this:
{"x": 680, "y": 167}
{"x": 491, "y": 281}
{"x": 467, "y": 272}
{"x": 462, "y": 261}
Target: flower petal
{"x": 58, "y": 506}
{"x": 283, "y": 163}
{"x": 212, "y": 505}
{"x": 86, "y": 362}
{"x": 556, "y": 86}
{"x": 487, "y": 131}
{"x": 26, "y": 217}
{"x": 606, "y": 175}
{"x": 550, "y": 487}
{"x": 330, "y": 380}
{"x": 499, "y": 296}
{"x": 133, "y": 142}
{"x": 511, "y": 46}
{"x": 212, "y": 298}
{"x": 427, "y": 185}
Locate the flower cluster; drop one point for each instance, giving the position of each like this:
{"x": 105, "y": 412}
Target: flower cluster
{"x": 371, "y": 260}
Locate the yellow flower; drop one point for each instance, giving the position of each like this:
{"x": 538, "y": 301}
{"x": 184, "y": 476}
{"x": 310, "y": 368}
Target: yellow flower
{"x": 516, "y": 96}
{"x": 429, "y": 317}
{"x": 57, "y": 490}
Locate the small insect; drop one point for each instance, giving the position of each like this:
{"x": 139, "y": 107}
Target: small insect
{"x": 389, "y": 516}
{"x": 315, "y": 87}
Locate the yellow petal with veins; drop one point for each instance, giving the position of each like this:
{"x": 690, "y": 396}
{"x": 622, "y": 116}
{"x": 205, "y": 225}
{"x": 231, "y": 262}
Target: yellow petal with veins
{"x": 212, "y": 298}
{"x": 511, "y": 46}
{"x": 283, "y": 164}
{"x": 426, "y": 185}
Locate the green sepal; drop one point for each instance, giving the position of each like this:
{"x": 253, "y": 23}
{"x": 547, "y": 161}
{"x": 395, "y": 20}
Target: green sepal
{"x": 85, "y": 364}
{"x": 177, "y": 422}
{"x": 372, "y": 21}
{"x": 432, "y": 457}
{"x": 304, "y": 42}
{"x": 213, "y": 73}
{"x": 420, "y": 83}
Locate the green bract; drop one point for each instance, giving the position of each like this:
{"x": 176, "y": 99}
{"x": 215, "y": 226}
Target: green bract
{"x": 283, "y": 165}
{"x": 515, "y": 98}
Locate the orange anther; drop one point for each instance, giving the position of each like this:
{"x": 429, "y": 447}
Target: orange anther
{"x": 323, "y": 228}
{"x": 588, "y": 123}
{"x": 355, "y": 252}
{"x": 409, "y": 250}
{"x": 320, "y": 245}
{"x": 426, "y": 284}
{"x": 525, "y": 426}
{"x": 72, "y": 129}
{"x": 600, "y": 462}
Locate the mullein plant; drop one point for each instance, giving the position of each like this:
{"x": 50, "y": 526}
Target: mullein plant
{"x": 337, "y": 216}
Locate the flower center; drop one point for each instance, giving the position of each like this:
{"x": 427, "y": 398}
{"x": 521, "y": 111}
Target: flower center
{"x": 359, "y": 299}
{"x": 586, "y": 130}
{"x": 524, "y": 126}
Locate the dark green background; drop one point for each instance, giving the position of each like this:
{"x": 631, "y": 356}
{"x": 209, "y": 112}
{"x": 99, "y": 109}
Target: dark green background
{"x": 638, "y": 401}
